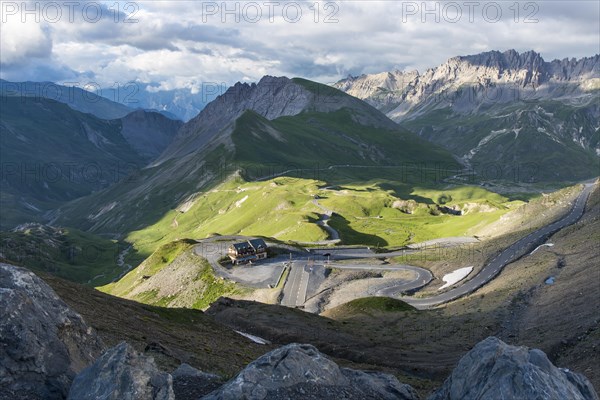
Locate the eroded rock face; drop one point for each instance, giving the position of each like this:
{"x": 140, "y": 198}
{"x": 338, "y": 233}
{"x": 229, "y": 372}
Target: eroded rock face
{"x": 43, "y": 343}
{"x": 299, "y": 371}
{"x": 495, "y": 370}
{"x": 121, "y": 373}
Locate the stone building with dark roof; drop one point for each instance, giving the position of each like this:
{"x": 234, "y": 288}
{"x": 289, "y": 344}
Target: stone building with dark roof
{"x": 248, "y": 251}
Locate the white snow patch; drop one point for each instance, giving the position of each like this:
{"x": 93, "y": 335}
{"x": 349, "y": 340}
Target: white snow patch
{"x": 493, "y": 135}
{"x": 239, "y": 203}
{"x": 31, "y": 206}
{"x": 255, "y": 339}
{"x": 456, "y": 276}
{"x": 103, "y": 210}
{"x": 516, "y": 131}
{"x": 542, "y": 245}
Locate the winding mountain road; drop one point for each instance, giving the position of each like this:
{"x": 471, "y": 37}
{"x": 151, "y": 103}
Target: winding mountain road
{"x": 334, "y": 236}
{"x": 510, "y": 254}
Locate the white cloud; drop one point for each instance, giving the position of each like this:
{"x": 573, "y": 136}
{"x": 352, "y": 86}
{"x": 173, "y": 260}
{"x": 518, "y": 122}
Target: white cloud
{"x": 20, "y": 42}
{"x": 172, "y": 47}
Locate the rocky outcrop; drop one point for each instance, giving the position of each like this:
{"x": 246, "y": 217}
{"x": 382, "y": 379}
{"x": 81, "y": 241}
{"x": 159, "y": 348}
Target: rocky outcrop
{"x": 299, "y": 371}
{"x": 495, "y": 370}
{"x": 452, "y": 210}
{"x": 43, "y": 343}
{"x": 191, "y": 383}
{"x": 121, "y": 373}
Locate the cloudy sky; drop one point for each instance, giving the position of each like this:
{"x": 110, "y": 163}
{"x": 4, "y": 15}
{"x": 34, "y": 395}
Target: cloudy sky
{"x": 183, "y": 44}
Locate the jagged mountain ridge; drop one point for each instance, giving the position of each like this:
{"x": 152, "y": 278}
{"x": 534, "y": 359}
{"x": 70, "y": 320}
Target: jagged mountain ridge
{"x": 492, "y": 77}
{"x": 513, "y": 110}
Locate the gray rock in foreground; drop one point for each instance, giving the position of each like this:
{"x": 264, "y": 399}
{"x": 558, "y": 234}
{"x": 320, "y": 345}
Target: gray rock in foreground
{"x": 299, "y": 371}
{"x": 495, "y": 370}
{"x": 43, "y": 343}
{"x": 191, "y": 383}
{"x": 121, "y": 373}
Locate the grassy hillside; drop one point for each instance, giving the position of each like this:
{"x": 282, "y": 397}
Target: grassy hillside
{"x": 370, "y": 305}
{"x": 316, "y": 141}
{"x": 67, "y": 253}
{"x": 173, "y": 276}
{"x": 285, "y": 209}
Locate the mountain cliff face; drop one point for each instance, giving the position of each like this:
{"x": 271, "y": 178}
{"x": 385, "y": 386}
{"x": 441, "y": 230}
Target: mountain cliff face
{"x": 509, "y": 109}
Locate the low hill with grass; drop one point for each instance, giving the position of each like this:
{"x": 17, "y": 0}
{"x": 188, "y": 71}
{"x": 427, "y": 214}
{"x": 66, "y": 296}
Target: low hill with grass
{"x": 173, "y": 276}
{"x": 370, "y": 305}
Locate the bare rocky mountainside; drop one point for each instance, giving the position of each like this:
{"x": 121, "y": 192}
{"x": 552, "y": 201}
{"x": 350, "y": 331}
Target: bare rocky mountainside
{"x": 502, "y": 108}
{"x": 475, "y": 82}
{"x": 67, "y": 359}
